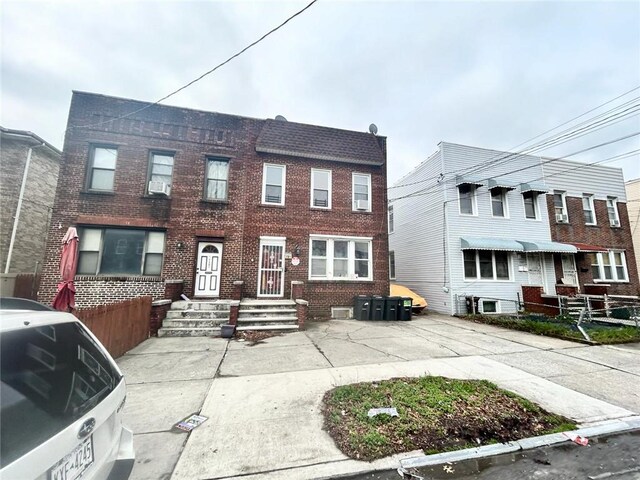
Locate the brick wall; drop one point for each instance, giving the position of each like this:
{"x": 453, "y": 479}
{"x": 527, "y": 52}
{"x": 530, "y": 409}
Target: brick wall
{"x": 602, "y": 235}
{"x": 96, "y": 291}
{"x": 42, "y": 177}
{"x": 237, "y": 223}
{"x": 536, "y": 302}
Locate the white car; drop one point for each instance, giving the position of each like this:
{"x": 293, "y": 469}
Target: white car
{"x": 62, "y": 397}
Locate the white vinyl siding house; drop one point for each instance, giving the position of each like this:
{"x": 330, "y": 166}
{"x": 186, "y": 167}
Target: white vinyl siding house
{"x": 444, "y": 253}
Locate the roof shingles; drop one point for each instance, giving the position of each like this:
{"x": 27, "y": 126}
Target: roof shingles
{"x": 320, "y": 143}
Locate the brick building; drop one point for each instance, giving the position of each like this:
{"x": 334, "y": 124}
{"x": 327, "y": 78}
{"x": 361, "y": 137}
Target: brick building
{"x": 167, "y": 193}
{"x": 587, "y": 207}
{"x": 28, "y": 178}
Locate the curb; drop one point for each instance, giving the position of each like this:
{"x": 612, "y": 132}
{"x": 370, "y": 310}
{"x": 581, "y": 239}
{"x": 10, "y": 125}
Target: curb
{"x": 605, "y": 428}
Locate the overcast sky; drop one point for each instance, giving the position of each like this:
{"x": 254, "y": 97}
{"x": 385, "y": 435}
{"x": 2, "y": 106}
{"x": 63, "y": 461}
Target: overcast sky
{"x": 489, "y": 74}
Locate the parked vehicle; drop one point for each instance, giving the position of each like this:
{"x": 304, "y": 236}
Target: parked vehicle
{"x": 61, "y": 400}
{"x": 418, "y": 303}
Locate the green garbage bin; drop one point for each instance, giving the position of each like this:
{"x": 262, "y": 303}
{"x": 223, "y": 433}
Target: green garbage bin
{"x": 405, "y": 309}
{"x": 377, "y": 308}
{"x": 392, "y": 308}
{"x": 361, "y": 307}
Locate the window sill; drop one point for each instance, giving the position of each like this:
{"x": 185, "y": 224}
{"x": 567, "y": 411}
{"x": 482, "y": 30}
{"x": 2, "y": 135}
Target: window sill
{"x": 98, "y": 192}
{"x": 320, "y": 209}
{"x": 487, "y": 280}
{"x": 205, "y": 201}
{"x": 337, "y": 280}
{"x": 156, "y": 197}
{"x": 591, "y": 225}
{"x": 362, "y": 212}
{"x": 272, "y": 205}
{"x": 607, "y": 282}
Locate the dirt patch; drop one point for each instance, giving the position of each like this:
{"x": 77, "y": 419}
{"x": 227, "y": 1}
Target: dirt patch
{"x": 254, "y": 338}
{"x": 436, "y": 414}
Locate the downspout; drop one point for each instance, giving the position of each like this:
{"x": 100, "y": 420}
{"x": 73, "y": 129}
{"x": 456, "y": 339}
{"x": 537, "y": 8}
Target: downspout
{"x": 16, "y": 219}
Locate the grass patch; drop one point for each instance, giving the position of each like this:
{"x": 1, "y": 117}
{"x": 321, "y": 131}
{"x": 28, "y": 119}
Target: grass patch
{"x": 561, "y": 328}
{"x": 436, "y": 414}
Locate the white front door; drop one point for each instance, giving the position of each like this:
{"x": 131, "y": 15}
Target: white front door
{"x": 536, "y": 270}
{"x": 271, "y": 271}
{"x": 208, "y": 270}
{"x": 569, "y": 271}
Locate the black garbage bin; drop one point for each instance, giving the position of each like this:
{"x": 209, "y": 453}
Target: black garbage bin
{"x": 361, "y": 307}
{"x": 405, "y": 308}
{"x": 377, "y": 308}
{"x": 392, "y": 308}
{"x": 472, "y": 305}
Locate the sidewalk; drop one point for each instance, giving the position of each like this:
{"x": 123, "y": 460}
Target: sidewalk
{"x": 263, "y": 403}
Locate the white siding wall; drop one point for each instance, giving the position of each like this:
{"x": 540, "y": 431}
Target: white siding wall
{"x": 577, "y": 178}
{"x": 418, "y": 233}
{"x": 516, "y": 226}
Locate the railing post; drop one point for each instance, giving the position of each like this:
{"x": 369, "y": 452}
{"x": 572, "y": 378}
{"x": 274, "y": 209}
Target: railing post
{"x": 234, "y": 310}
{"x": 237, "y": 290}
{"x": 302, "y": 311}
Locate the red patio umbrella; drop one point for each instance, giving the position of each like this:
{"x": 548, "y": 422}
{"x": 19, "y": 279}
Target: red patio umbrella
{"x": 65, "y": 298}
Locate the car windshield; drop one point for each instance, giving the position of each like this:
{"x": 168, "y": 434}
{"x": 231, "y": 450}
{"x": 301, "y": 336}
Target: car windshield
{"x": 51, "y": 376}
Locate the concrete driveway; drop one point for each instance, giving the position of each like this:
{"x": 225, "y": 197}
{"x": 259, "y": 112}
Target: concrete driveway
{"x": 263, "y": 401}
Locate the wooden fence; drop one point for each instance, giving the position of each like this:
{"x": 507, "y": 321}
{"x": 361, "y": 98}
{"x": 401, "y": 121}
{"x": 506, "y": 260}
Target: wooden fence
{"x": 26, "y": 286}
{"x": 119, "y": 326}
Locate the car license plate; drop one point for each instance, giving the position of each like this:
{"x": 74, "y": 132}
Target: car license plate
{"x": 74, "y": 464}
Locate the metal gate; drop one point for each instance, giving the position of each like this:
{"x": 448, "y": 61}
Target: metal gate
{"x": 271, "y": 271}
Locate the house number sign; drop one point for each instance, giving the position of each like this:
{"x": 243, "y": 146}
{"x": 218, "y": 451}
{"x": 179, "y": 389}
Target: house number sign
{"x": 295, "y": 261}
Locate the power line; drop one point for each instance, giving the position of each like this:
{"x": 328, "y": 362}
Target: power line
{"x": 420, "y": 193}
{"x": 209, "y": 72}
{"x": 538, "y": 136}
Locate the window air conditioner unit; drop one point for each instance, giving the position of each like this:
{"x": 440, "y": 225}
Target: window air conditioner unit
{"x": 362, "y": 205}
{"x": 561, "y": 218}
{"x": 158, "y": 187}
{"x": 615, "y": 223}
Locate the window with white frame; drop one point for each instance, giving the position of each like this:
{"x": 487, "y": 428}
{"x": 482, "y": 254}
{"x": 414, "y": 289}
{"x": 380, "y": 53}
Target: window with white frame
{"x": 340, "y": 258}
{"x": 560, "y": 206}
{"x": 321, "y": 188}
{"x": 160, "y": 171}
{"x": 120, "y": 251}
{"x": 588, "y": 209}
{"x": 467, "y": 199}
{"x": 273, "y": 184}
{"x": 609, "y": 266}
{"x": 217, "y": 179}
{"x": 490, "y": 306}
{"x": 612, "y": 210}
{"x": 102, "y": 168}
{"x": 486, "y": 265}
{"x": 530, "y": 205}
{"x": 390, "y": 218}
{"x": 498, "y": 202}
{"x": 361, "y": 192}
{"x": 392, "y": 265}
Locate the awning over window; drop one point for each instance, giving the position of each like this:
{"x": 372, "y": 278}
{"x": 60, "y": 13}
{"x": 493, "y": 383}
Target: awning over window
{"x": 585, "y": 247}
{"x": 499, "y": 183}
{"x": 500, "y": 244}
{"x": 460, "y": 180}
{"x": 533, "y": 187}
{"x": 548, "y": 247}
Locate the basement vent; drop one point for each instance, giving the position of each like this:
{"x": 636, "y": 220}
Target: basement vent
{"x": 341, "y": 313}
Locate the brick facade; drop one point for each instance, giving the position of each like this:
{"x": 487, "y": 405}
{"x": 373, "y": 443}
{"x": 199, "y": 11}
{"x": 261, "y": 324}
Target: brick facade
{"x": 602, "y": 235}
{"x": 237, "y": 223}
{"x": 40, "y": 187}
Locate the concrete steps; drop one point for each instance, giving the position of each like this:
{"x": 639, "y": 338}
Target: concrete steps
{"x": 267, "y": 315}
{"x": 189, "y": 332}
{"x": 195, "y": 318}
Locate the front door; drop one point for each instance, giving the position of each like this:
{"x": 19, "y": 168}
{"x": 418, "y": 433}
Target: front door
{"x": 536, "y": 270}
{"x": 569, "y": 271}
{"x": 208, "y": 270}
{"x": 271, "y": 271}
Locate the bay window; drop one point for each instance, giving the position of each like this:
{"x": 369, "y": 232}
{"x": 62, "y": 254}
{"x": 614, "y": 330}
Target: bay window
{"x": 340, "y": 258}
{"x": 486, "y": 265}
{"x": 120, "y": 251}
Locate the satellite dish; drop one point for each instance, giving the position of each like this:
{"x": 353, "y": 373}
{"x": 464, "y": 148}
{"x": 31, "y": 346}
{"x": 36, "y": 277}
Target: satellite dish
{"x": 280, "y": 118}
{"x": 373, "y": 129}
